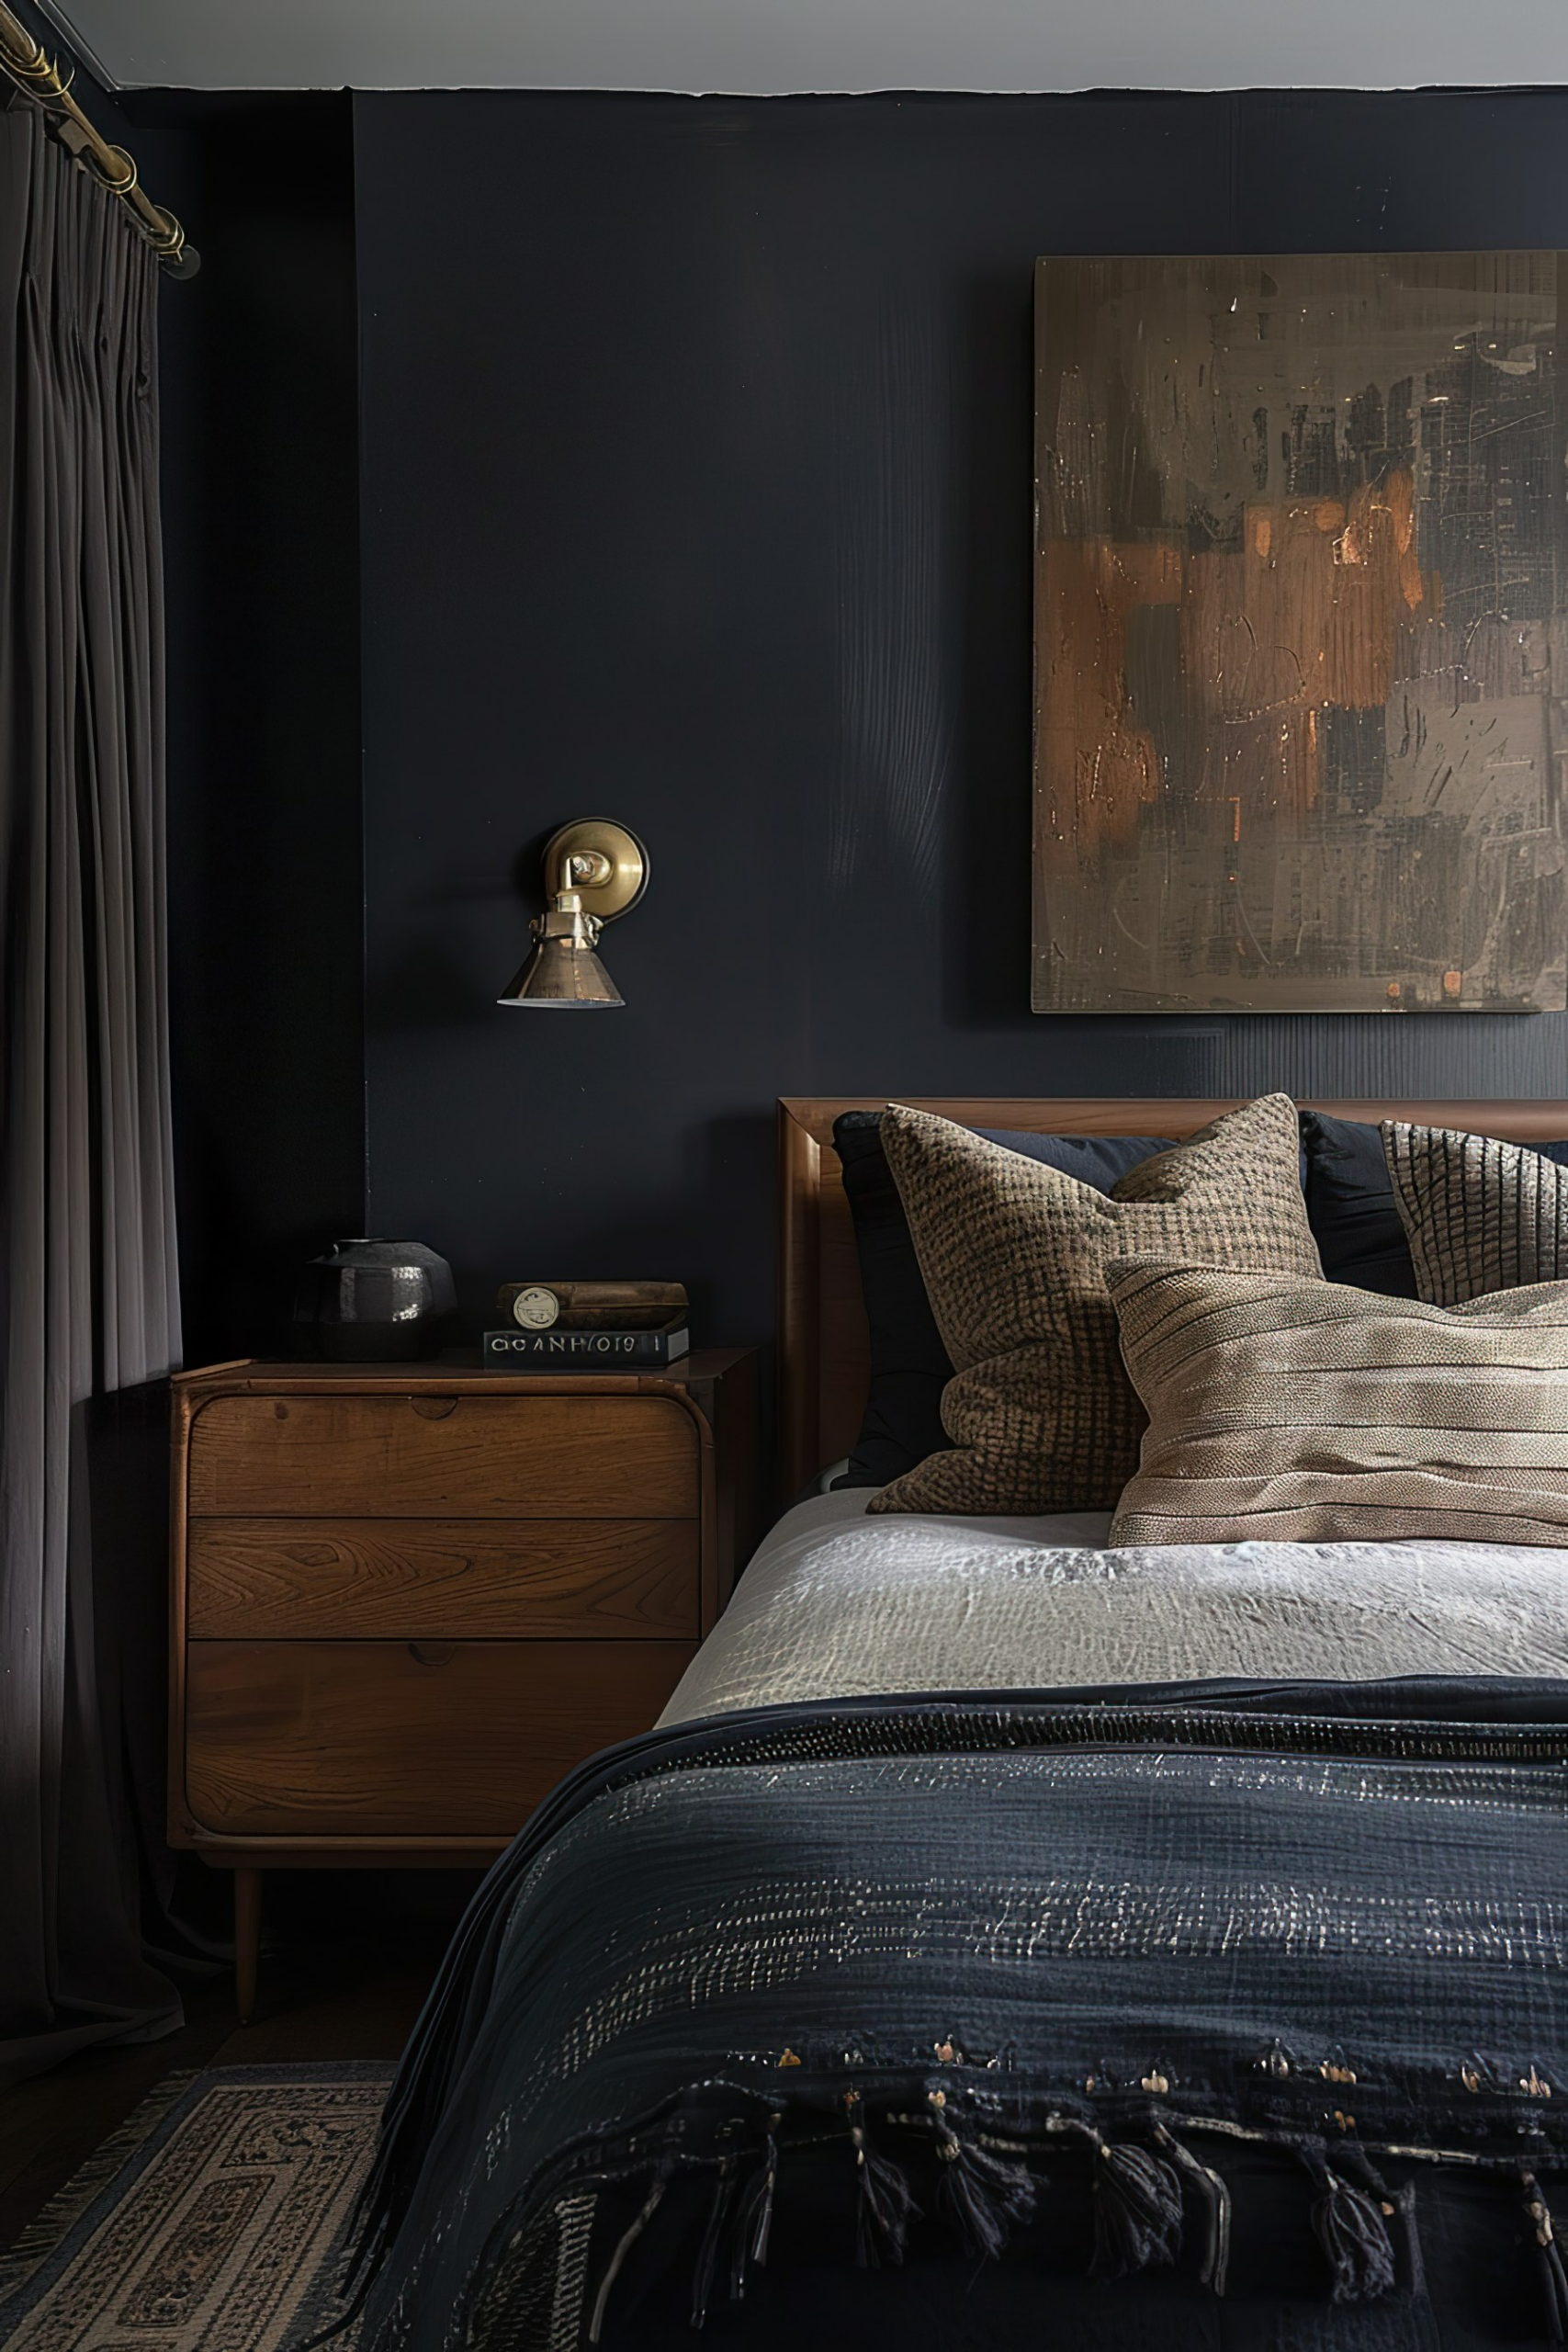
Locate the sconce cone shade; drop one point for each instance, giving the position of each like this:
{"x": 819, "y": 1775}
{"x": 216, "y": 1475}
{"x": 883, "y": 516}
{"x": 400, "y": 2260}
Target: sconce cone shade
{"x": 593, "y": 872}
{"x": 560, "y": 972}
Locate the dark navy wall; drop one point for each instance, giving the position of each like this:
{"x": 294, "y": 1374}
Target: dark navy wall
{"x": 261, "y": 520}
{"x": 697, "y": 480}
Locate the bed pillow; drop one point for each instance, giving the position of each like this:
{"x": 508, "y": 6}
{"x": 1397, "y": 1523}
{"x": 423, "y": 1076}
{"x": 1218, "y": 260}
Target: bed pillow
{"x": 1351, "y": 1207}
{"x": 1040, "y": 1412}
{"x": 909, "y": 1365}
{"x": 1284, "y": 1409}
{"x": 1480, "y": 1216}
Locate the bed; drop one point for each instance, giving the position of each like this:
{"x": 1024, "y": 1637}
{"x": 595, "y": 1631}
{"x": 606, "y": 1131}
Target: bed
{"x": 1005, "y": 1939}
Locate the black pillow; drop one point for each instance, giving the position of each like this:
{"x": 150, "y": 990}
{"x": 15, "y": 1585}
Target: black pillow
{"x": 1351, "y": 1208}
{"x": 909, "y": 1366}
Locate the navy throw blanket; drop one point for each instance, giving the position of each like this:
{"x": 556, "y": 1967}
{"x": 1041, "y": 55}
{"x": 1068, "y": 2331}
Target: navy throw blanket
{"x": 970, "y": 1967}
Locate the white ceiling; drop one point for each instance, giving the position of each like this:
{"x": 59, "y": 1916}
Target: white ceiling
{"x": 767, "y": 46}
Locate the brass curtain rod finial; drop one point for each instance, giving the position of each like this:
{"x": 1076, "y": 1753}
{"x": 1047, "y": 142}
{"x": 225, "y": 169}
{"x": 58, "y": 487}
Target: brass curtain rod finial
{"x": 180, "y": 259}
{"x": 594, "y": 871}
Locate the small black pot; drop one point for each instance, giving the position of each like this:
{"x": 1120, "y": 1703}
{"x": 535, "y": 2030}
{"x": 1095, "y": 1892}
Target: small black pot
{"x": 371, "y": 1302}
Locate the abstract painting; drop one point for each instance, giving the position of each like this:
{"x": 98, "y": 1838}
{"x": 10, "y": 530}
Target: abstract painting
{"x": 1300, "y": 636}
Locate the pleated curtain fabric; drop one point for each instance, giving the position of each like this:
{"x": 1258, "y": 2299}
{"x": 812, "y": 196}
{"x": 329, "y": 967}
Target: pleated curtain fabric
{"x": 87, "y": 1269}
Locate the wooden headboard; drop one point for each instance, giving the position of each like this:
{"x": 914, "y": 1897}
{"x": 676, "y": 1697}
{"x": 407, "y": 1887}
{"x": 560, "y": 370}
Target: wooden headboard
{"x": 823, "y": 1344}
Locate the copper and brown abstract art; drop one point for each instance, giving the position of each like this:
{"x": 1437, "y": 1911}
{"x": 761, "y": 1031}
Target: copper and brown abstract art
{"x": 1302, "y": 644}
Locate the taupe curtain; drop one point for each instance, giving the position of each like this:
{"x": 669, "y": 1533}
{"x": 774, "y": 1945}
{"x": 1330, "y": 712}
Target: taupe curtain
{"x": 88, "y": 1303}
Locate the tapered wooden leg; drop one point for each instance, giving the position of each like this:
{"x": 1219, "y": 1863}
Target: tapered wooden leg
{"x": 247, "y": 1941}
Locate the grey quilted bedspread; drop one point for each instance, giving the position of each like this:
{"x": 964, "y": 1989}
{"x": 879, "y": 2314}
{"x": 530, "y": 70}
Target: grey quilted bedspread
{"x": 837, "y": 1605}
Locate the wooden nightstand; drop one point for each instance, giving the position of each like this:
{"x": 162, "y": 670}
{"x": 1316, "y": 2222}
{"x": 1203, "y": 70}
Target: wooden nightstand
{"x": 407, "y": 1597}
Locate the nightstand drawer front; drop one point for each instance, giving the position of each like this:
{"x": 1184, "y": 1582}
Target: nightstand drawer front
{"x": 443, "y": 1456}
{"x": 387, "y": 1739}
{"x": 545, "y": 1579}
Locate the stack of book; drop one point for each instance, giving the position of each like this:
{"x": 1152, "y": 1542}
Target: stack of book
{"x": 589, "y": 1327}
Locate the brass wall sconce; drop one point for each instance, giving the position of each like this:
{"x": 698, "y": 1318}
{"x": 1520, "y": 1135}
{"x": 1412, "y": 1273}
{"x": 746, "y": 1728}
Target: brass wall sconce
{"x": 593, "y": 872}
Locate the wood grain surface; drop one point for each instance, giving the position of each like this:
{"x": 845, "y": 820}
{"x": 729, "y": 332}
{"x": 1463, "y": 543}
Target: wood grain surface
{"x": 373, "y": 1455}
{"x": 542, "y": 1580}
{"x": 369, "y": 1738}
{"x": 405, "y": 1599}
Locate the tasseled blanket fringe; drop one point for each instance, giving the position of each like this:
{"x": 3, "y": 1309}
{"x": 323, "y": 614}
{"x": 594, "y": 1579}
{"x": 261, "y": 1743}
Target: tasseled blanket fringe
{"x": 979, "y": 2194}
{"x": 1155, "y": 2203}
{"x": 886, "y": 2205}
{"x": 1554, "y": 2283}
{"x": 1352, "y": 2227}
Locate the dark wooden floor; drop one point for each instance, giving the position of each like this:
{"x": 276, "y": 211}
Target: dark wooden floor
{"x": 347, "y": 1963}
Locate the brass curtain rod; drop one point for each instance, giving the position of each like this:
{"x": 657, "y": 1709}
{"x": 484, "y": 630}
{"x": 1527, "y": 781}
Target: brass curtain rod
{"x": 25, "y": 62}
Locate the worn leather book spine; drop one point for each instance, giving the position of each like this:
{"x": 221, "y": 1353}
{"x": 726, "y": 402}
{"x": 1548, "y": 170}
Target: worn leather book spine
{"x": 603, "y": 1307}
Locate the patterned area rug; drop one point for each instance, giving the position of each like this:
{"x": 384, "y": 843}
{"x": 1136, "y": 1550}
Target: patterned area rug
{"x": 212, "y": 2221}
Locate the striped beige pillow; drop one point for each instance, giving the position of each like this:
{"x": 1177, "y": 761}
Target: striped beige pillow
{"x": 1313, "y": 1412}
{"x": 1480, "y": 1216}
{"x": 1013, "y": 1252}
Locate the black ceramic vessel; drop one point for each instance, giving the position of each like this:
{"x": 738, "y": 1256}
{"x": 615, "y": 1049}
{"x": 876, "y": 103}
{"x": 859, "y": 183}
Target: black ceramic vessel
{"x": 367, "y": 1301}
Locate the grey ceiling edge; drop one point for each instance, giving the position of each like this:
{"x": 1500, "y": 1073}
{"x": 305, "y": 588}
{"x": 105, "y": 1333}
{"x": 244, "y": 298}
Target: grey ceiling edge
{"x": 81, "y": 49}
{"x": 106, "y": 81}
{"x": 158, "y": 66}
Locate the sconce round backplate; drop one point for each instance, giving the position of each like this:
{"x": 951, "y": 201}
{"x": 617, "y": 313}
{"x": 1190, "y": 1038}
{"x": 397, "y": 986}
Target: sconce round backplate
{"x": 619, "y": 890}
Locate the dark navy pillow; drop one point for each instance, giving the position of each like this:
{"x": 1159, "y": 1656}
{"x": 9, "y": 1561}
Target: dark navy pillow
{"x": 909, "y": 1365}
{"x": 1351, "y": 1208}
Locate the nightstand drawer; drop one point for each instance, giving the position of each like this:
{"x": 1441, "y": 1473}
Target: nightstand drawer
{"x": 380, "y": 1456}
{"x": 369, "y": 1739}
{"x": 542, "y": 1580}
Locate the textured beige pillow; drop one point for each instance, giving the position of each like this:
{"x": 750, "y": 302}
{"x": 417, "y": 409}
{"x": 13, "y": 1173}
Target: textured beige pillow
{"x": 1039, "y": 1410}
{"x": 1479, "y": 1214}
{"x": 1311, "y": 1412}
